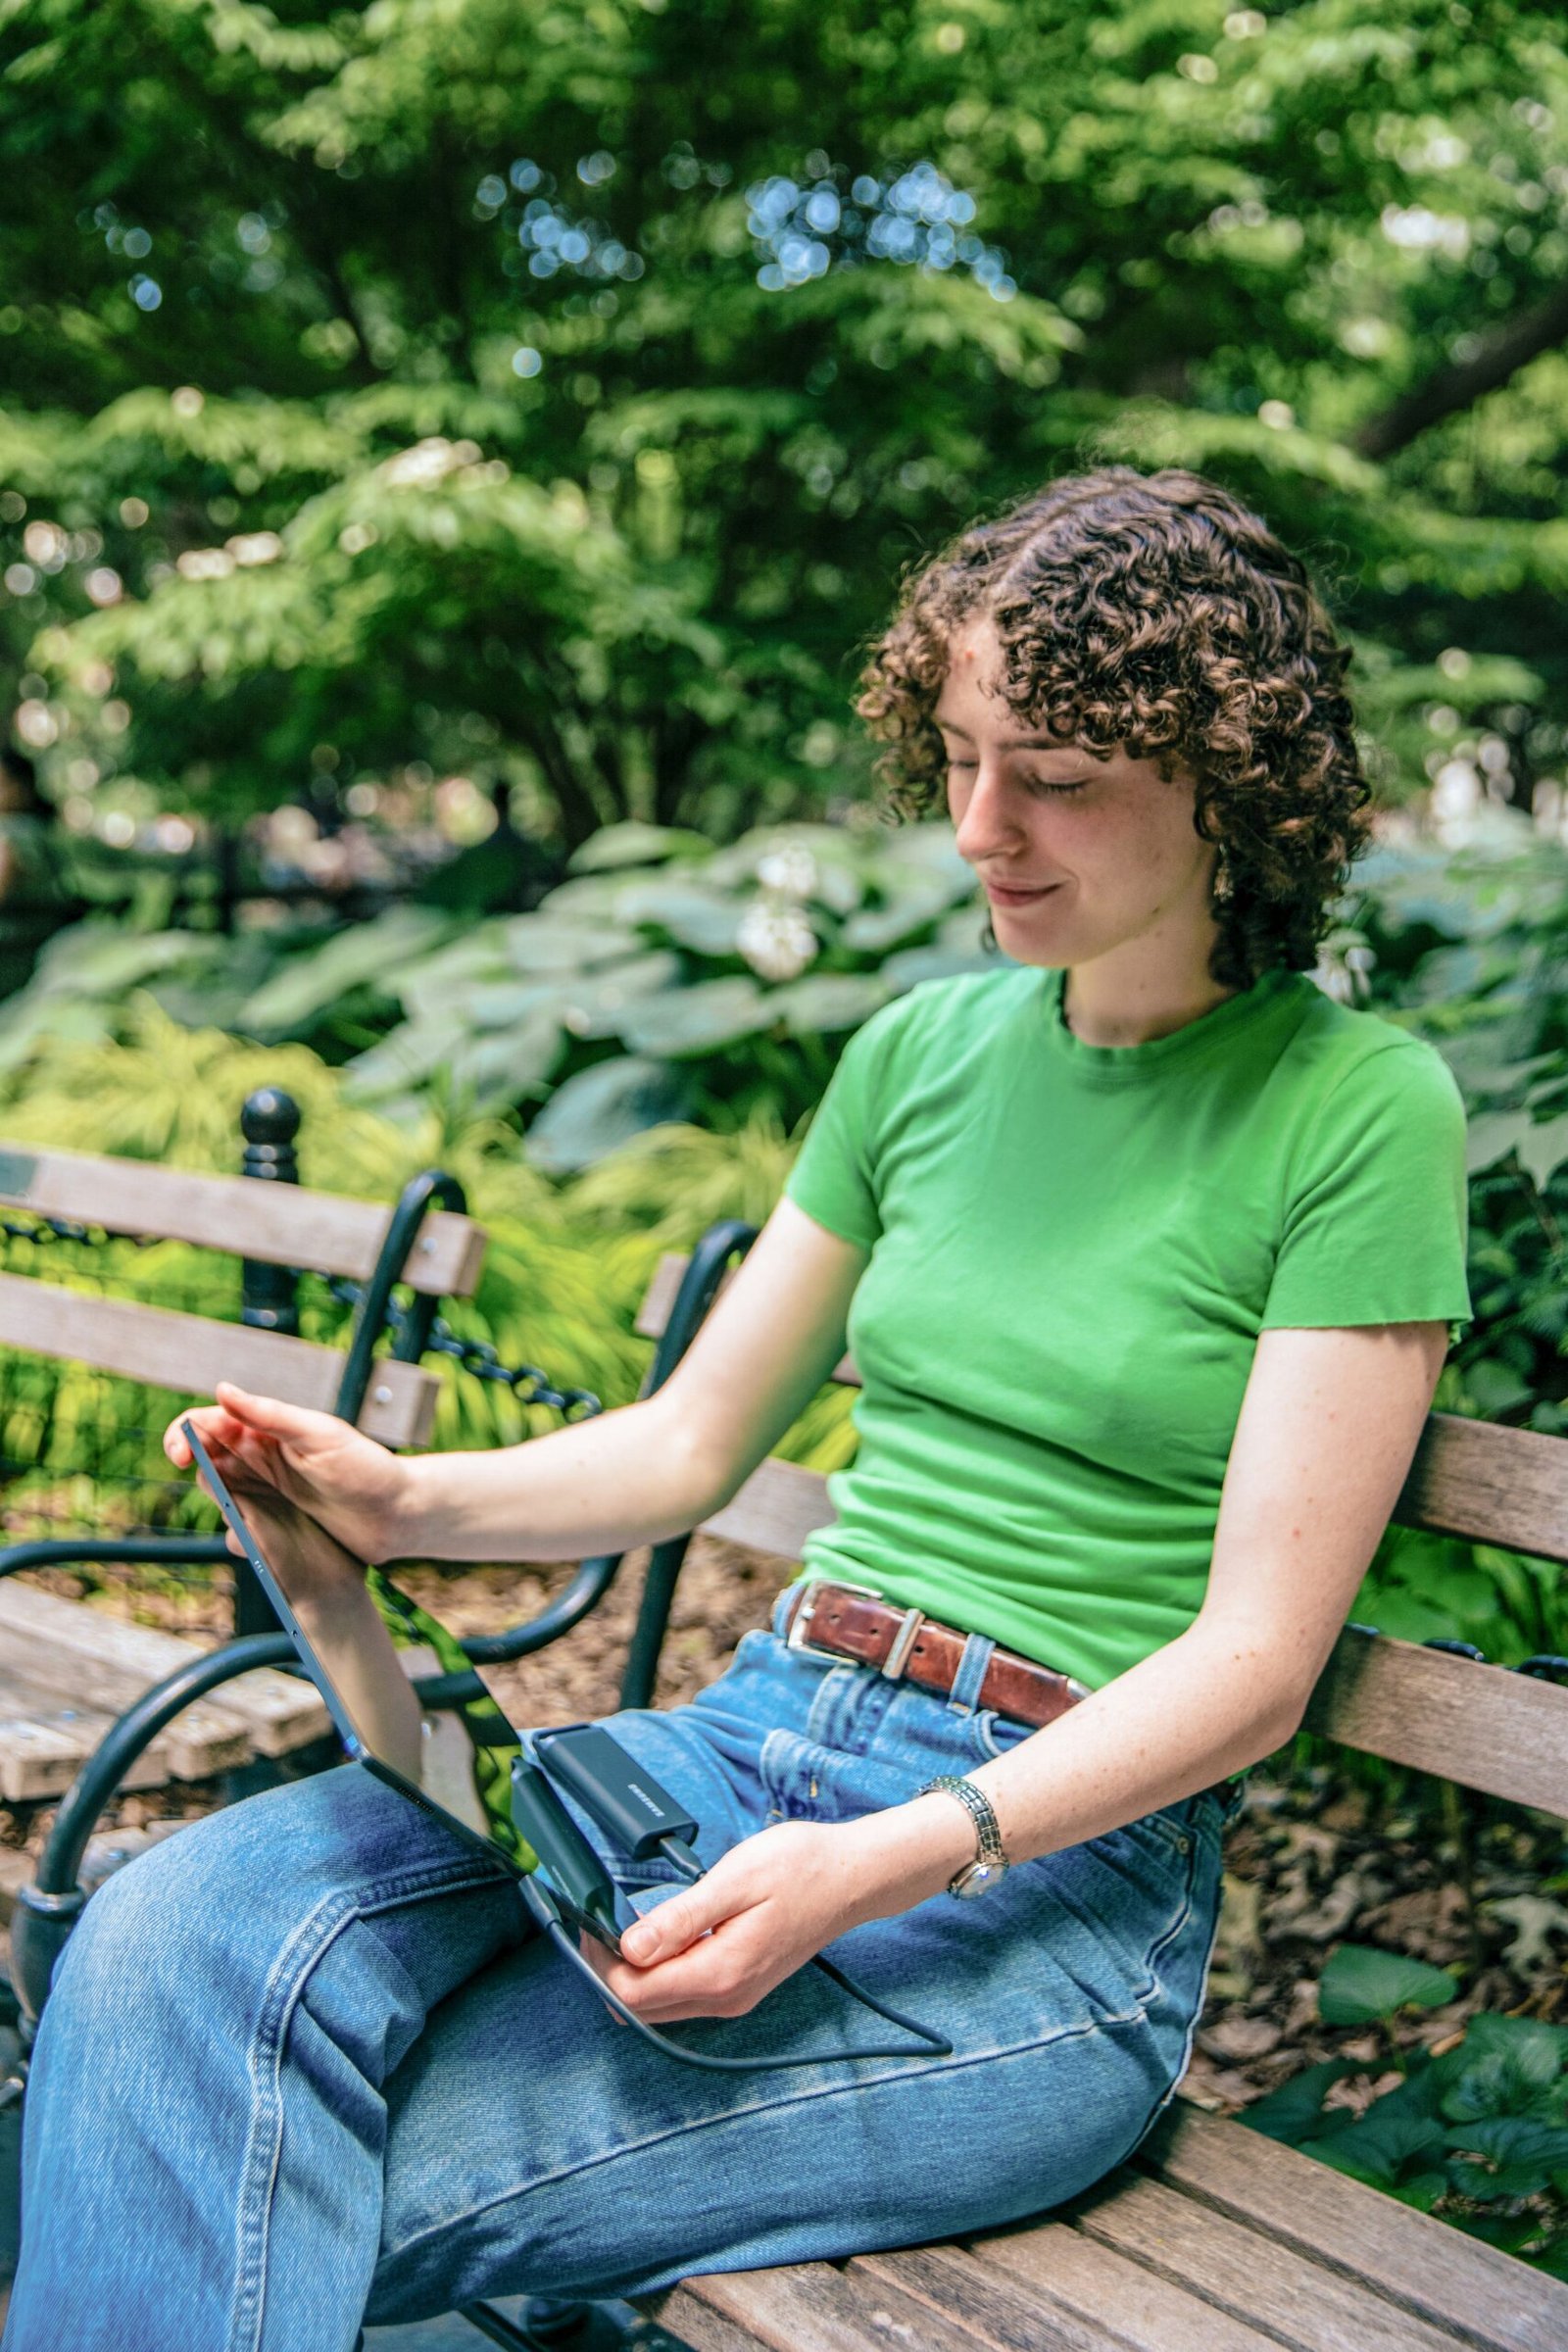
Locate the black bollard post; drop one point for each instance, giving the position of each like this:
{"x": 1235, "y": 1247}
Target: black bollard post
{"x": 270, "y": 1123}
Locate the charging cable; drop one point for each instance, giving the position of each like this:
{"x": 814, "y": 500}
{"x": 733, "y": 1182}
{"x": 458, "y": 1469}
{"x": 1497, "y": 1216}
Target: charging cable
{"x": 642, "y": 1818}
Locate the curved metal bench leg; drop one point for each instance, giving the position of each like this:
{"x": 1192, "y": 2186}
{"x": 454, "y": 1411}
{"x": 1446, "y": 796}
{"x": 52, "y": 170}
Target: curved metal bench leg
{"x": 47, "y": 1910}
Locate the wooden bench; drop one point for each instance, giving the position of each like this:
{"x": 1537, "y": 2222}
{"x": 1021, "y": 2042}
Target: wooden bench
{"x": 1214, "y": 2238}
{"x": 68, "y": 1671}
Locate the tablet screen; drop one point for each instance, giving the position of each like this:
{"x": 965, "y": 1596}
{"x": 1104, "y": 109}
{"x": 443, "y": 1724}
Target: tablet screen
{"x": 365, "y": 1654}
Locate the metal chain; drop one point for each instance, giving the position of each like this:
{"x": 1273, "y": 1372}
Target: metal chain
{"x": 60, "y": 1229}
{"x": 527, "y": 1382}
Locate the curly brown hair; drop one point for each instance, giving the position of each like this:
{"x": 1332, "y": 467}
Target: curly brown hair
{"x": 1156, "y": 613}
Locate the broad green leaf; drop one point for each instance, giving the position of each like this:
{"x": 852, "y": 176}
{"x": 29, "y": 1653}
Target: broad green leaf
{"x": 405, "y": 1055}
{"x": 599, "y": 1108}
{"x": 540, "y": 943}
{"x": 917, "y": 901}
{"x": 635, "y": 844}
{"x": 1516, "y": 2156}
{"x": 1541, "y": 1145}
{"x": 88, "y": 960}
{"x": 682, "y": 1021}
{"x": 1295, "y": 2111}
{"x": 363, "y": 952}
{"x": 509, "y": 1065}
{"x": 1359, "y": 1985}
{"x": 594, "y": 1005}
{"x": 1380, "y": 2145}
{"x": 910, "y": 966}
{"x": 827, "y": 1001}
{"x": 693, "y": 917}
{"x": 502, "y": 1004}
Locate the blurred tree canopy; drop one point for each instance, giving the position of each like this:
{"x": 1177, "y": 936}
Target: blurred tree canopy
{"x": 555, "y": 389}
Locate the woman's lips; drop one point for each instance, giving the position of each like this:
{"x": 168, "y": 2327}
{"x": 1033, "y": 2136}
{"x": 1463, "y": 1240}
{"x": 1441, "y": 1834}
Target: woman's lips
{"x": 1000, "y": 896}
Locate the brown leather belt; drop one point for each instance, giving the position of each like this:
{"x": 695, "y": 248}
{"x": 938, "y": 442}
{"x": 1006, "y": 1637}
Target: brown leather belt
{"x": 846, "y": 1621}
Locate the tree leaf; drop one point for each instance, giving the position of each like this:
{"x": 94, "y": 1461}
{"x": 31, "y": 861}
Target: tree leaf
{"x": 363, "y": 952}
{"x": 541, "y": 943}
{"x": 682, "y": 1021}
{"x": 693, "y": 917}
{"x": 599, "y": 1108}
{"x": 634, "y": 843}
{"x": 1360, "y": 1984}
{"x": 910, "y": 966}
{"x": 1517, "y": 2156}
{"x": 1293, "y": 2112}
{"x": 823, "y": 1002}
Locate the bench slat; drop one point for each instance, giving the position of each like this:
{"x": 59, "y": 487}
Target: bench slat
{"x": 284, "y": 1225}
{"x": 1148, "y": 2313}
{"x": 1433, "y": 2269}
{"x": 1247, "y": 2274}
{"x": 1496, "y": 1485}
{"x": 1480, "y": 1724}
{"x": 777, "y": 1509}
{"x": 812, "y": 2307}
{"x": 659, "y": 1298}
{"x": 167, "y": 1350}
{"x": 45, "y": 1738}
{"x": 98, "y": 1661}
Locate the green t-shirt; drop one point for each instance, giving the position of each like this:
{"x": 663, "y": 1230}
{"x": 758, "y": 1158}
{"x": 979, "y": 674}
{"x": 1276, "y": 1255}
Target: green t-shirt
{"x": 1074, "y": 1248}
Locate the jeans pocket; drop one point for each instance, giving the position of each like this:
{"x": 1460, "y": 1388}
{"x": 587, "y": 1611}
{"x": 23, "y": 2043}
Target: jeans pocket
{"x": 994, "y": 1735}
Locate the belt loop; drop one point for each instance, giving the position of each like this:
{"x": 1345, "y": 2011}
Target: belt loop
{"x": 964, "y": 1696}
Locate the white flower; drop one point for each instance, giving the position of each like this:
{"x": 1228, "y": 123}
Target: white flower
{"x": 790, "y": 871}
{"x": 775, "y": 939}
{"x": 206, "y": 564}
{"x": 256, "y": 547}
{"x": 428, "y": 461}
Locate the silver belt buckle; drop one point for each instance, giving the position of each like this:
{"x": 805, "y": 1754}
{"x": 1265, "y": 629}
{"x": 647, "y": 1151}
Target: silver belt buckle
{"x": 801, "y": 1621}
{"x": 904, "y": 1642}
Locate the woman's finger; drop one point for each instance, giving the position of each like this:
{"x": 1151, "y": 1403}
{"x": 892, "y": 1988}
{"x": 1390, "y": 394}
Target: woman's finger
{"x": 271, "y": 1417}
{"x": 675, "y": 1926}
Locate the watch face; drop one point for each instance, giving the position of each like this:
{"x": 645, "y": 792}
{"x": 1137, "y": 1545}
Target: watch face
{"x": 976, "y": 1877}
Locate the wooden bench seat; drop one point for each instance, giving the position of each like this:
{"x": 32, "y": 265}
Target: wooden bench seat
{"x": 1214, "y": 2238}
{"x": 1210, "y": 2239}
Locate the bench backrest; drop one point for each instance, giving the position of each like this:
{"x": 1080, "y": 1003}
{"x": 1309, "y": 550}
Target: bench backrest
{"x": 278, "y": 1224}
{"x": 1485, "y": 1726}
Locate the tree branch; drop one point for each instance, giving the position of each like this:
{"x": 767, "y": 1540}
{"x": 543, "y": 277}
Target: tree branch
{"x": 1458, "y": 386}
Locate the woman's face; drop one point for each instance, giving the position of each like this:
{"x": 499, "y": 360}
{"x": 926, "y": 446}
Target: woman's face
{"x": 1078, "y": 855}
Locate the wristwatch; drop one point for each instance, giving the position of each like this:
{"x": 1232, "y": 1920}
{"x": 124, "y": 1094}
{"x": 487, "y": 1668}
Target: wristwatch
{"x": 989, "y": 1864}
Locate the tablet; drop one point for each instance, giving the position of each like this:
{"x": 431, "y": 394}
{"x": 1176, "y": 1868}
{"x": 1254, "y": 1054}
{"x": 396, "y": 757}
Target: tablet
{"x": 472, "y": 1772}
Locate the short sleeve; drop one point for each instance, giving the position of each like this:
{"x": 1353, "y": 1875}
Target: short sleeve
{"x": 834, "y": 1177}
{"x": 1376, "y": 1224}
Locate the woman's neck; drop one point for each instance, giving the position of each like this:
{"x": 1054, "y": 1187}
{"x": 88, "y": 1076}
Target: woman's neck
{"x": 1136, "y": 1014}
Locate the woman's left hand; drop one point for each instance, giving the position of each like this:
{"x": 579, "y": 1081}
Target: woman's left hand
{"x": 771, "y": 1903}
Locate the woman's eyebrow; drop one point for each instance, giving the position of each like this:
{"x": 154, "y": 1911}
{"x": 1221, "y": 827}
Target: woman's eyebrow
{"x": 1023, "y": 743}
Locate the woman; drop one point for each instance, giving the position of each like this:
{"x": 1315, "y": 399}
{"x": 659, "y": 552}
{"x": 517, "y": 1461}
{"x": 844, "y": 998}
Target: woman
{"x": 1147, "y": 1251}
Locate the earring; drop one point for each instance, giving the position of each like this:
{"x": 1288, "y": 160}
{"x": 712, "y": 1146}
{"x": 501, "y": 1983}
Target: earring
{"x": 1222, "y": 887}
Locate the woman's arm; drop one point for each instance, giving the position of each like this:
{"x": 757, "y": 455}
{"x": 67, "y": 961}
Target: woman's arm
{"x": 631, "y": 1475}
{"x": 1327, "y": 1431}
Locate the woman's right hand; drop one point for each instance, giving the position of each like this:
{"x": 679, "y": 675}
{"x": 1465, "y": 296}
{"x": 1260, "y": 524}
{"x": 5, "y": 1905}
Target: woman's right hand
{"x": 352, "y": 1486}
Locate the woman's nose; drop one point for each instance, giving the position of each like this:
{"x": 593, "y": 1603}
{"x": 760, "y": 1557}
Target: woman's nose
{"x": 989, "y": 818}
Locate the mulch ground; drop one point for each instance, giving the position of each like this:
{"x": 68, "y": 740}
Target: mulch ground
{"x": 1317, "y": 1856}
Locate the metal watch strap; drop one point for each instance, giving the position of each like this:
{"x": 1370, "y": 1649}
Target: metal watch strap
{"x": 990, "y": 1863}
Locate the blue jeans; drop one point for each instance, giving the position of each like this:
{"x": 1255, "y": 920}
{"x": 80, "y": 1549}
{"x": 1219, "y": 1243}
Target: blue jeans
{"x": 307, "y": 2065}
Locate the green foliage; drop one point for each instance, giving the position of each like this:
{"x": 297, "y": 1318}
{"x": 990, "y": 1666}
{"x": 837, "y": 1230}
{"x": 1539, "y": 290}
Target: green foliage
{"x": 552, "y": 394}
{"x": 1476, "y": 2135}
{"x": 659, "y": 982}
{"x": 1360, "y": 1983}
